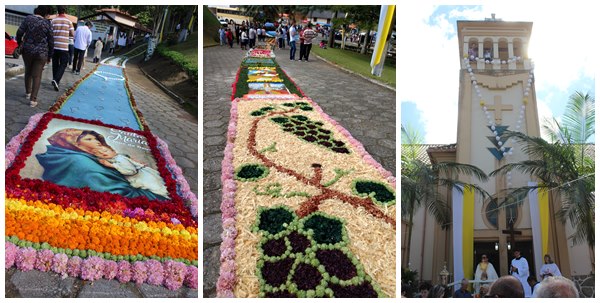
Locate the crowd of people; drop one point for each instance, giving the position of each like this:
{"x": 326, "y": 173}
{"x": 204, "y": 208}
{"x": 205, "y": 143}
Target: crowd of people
{"x": 517, "y": 284}
{"x": 43, "y": 41}
{"x": 298, "y": 38}
{"x": 61, "y": 42}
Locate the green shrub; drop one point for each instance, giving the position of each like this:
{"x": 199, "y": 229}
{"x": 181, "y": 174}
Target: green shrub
{"x": 179, "y": 59}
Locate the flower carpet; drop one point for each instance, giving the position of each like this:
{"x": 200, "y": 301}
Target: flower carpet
{"x": 306, "y": 211}
{"x": 92, "y": 193}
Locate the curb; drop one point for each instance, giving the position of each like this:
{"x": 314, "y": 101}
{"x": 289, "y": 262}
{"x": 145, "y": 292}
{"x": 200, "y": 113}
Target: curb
{"x": 357, "y": 74}
{"x": 164, "y": 88}
{"x": 14, "y": 71}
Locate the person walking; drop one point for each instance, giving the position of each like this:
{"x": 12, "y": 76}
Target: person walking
{"x": 63, "y": 31}
{"x": 71, "y": 49}
{"x": 302, "y": 46}
{"x": 98, "y": 50}
{"x": 252, "y": 37}
{"x": 83, "y": 39}
{"x": 309, "y": 34}
{"x": 111, "y": 44}
{"x": 229, "y": 36}
{"x": 222, "y": 35}
{"x": 244, "y": 39}
{"x": 293, "y": 34}
{"x": 36, "y": 39}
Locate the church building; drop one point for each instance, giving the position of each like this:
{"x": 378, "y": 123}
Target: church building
{"x": 497, "y": 93}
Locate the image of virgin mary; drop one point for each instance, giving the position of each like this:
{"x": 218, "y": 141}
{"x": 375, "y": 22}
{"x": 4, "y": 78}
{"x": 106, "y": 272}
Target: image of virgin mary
{"x": 69, "y": 161}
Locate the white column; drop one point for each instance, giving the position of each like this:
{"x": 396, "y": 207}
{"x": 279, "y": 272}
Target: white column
{"x": 496, "y": 64}
{"x": 511, "y": 53}
{"x": 480, "y": 64}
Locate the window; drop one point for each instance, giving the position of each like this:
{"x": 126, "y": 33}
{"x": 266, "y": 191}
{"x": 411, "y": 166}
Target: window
{"x": 491, "y": 213}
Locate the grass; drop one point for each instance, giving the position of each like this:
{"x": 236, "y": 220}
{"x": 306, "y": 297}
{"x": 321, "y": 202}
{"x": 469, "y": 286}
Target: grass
{"x": 357, "y": 63}
{"x": 211, "y": 27}
{"x": 189, "y": 48}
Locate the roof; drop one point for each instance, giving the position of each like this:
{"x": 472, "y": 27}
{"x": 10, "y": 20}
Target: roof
{"x": 119, "y": 17}
{"x": 116, "y": 10}
{"x": 72, "y": 18}
{"x": 423, "y": 150}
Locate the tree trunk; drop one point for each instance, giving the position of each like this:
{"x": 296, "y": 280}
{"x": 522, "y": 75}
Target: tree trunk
{"x": 332, "y": 31}
{"x": 365, "y": 45}
{"x": 410, "y": 226}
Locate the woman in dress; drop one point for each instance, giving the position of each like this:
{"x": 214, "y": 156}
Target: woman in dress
{"x": 98, "y": 50}
{"x": 69, "y": 161}
{"x": 549, "y": 268}
{"x": 485, "y": 272}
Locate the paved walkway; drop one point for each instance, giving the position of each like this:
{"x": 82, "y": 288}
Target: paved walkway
{"x": 166, "y": 119}
{"x": 366, "y": 110}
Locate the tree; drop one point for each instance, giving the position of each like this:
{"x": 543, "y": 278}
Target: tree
{"x": 577, "y": 125}
{"x": 366, "y": 17}
{"x": 563, "y": 167}
{"x": 420, "y": 183}
{"x": 555, "y": 166}
{"x": 262, "y": 13}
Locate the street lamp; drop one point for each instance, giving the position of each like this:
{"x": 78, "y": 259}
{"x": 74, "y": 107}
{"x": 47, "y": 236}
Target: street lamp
{"x": 496, "y": 246}
{"x": 508, "y": 245}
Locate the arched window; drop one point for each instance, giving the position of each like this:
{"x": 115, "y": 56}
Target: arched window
{"x": 491, "y": 211}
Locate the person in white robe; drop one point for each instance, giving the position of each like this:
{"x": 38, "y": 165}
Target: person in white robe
{"x": 485, "y": 271}
{"x": 549, "y": 268}
{"x": 519, "y": 268}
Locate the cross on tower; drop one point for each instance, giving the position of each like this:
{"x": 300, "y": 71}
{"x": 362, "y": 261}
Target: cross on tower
{"x": 498, "y": 107}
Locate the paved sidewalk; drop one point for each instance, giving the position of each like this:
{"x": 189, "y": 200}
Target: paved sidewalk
{"x": 366, "y": 110}
{"x": 166, "y": 119}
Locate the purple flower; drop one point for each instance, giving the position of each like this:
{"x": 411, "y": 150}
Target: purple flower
{"x": 174, "y": 274}
{"x": 26, "y": 258}
{"x": 10, "y": 254}
{"x": 44, "y": 260}
{"x": 191, "y": 277}
{"x": 110, "y": 270}
{"x": 175, "y": 221}
{"x": 139, "y": 272}
{"x": 155, "y": 272}
{"x": 123, "y": 271}
{"x": 74, "y": 266}
{"x": 92, "y": 268}
{"x": 59, "y": 264}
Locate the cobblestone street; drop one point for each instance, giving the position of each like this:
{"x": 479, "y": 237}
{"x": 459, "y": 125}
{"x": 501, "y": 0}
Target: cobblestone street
{"x": 365, "y": 109}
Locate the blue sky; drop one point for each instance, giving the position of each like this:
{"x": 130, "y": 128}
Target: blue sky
{"x": 560, "y": 46}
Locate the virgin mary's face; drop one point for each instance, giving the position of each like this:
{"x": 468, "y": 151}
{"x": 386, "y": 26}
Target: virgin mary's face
{"x": 88, "y": 143}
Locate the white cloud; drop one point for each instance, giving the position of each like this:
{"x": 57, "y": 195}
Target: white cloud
{"x": 562, "y": 46}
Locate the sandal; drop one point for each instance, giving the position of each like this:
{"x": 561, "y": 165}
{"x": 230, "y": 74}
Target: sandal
{"x": 33, "y": 103}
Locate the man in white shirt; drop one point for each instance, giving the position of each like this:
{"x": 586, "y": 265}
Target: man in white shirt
{"x": 83, "y": 39}
{"x": 63, "y": 31}
{"x": 292, "y": 41}
{"x": 252, "y": 37}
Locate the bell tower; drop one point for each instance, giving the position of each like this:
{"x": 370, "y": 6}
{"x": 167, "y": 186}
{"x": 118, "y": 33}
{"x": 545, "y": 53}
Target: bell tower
{"x": 496, "y": 94}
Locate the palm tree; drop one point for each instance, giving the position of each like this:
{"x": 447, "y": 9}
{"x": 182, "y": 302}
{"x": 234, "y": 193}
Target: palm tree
{"x": 555, "y": 165}
{"x": 577, "y": 125}
{"x": 420, "y": 183}
{"x": 563, "y": 167}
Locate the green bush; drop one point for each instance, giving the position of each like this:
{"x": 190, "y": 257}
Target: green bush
{"x": 180, "y": 60}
